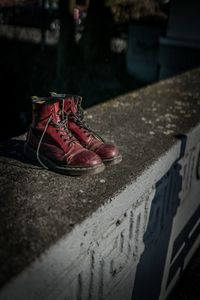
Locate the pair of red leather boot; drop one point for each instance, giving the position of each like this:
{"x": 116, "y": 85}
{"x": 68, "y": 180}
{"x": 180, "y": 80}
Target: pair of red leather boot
{"x": 60, "y": 140}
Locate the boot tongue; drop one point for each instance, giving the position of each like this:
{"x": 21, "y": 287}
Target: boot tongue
{"x": 71, "y": 104}
{"x": 56, "y": 108}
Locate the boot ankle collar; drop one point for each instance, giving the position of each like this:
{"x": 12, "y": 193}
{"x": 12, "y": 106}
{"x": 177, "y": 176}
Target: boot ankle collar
{"x": 42, "y": 111}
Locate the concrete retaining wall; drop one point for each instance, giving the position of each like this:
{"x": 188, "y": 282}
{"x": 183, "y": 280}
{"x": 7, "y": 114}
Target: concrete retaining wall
{"x": 135, "y": 246}
{"x": 141, "y": 241}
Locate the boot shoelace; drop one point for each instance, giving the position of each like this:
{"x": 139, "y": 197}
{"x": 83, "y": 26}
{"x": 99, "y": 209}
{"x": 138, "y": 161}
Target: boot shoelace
{"x": 64, "y": 132}
{"x": 79, "y": 119}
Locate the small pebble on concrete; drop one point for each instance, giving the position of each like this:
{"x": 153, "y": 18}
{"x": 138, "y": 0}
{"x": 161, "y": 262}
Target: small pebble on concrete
{"x": 102, "y": 180}
{"x": 152, "y": 133}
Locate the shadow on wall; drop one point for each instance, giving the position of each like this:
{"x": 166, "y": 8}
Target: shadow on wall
{"x": 150, "y": 270}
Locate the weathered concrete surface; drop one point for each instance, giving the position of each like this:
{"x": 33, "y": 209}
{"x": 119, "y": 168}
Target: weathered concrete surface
{"x": 39, "y": 207}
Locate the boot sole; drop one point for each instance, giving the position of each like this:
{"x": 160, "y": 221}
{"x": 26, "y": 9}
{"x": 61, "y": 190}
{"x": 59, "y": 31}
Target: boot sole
{"x": 30, "y": 153}
{"x": 112, "y": 161}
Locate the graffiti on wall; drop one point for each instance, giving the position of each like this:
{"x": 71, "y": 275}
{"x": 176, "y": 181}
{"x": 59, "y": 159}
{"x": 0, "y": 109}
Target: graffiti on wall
{"x": 172, "y": 190}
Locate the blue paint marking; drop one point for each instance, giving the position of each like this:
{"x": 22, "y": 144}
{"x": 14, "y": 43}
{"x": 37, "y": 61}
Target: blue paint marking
{"x": 164, "y": 207}
{"x": 186, "y": 240}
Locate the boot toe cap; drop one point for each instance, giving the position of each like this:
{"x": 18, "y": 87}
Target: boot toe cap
{"x": 86, "y": 159}
{"x": 107, "y": 151}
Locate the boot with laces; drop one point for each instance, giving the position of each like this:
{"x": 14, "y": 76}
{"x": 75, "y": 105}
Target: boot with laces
{"x": 51, "y": 143}
{"x": 87, "y": 137}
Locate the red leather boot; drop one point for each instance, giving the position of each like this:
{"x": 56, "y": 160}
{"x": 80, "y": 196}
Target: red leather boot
{"x": 51, "y": 143}
{"x": 88, "y": 138}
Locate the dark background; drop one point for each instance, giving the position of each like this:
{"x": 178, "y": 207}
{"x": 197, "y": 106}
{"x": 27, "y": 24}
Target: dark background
{"x": 112, "y": 47}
